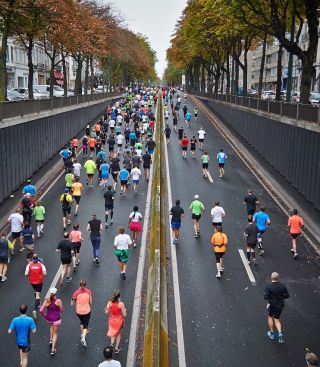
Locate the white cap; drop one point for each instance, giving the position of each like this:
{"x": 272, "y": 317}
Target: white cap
{"x": 196, "y": 197}
{"x": 53, "y": 290}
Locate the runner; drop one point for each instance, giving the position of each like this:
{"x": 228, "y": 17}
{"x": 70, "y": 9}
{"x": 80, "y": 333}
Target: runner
{"x": 201, "y": 135}
{"x": 51, "y": 309}
{"x": 217, "y": 215}
{"x": 176, "y": 215}
{"x": 295, "y": 224}
{"x": 22, "y": 325}
{"x": 275, "y": 293}
{"x": 65, "y": 249}
{"x": 221, "y": 157}
{"x": 188, "y": 117}
{"x": 109, "y": 205}
{"x": 76, "y": 238}
{"x": 114, "y": 170}
{"x": 184, "y": 146}
{"x": 76, "y": 168}
{"x": 95, "y": 227}
{"x": 135, "y": 175}
{"x": 180, "y": 134}
{"x": 262, "y": 221}
{"x": 82, "y": 298}
{"x": 124, "y": 175}
{"x": 27, "y": 207}
{"x": 66, "y": 201}
{"x": 134, "y": 224}
{"x": 104, "y": 173}
{"x": 76, "y": 193}
{"x": 85, "y": 146}
{"x": 147, "y": 160}
{"x": 90, "y": 168}
{"x": 120, "y": 138}
{"x": 109, "y": 361}
{"x": 195, "y": 111}
{"x": 35, "y": 270}
{"x": 27, "y": 238}
{"x": 219, "y": 240}
{"x": 196, "y": 208}
{"x": 39, "y": 215}
{"x": 175, "y": 122}
{"x": 111, "y": 143}
{"x": 65, "y": 154}
{"x": 151, "y": 144}
{"x": 117, "y": 312}
{"x": 167, "y": 132}
{"x": 193, "y": 143}
{"x": 251, "y": 201}
{"x": 92, "y": 144}
{"x": 122, "y": 242}
{"x": 205, "y": 164}
{"x": 251, "y": 234}
{"x": 185, "y": 110}
{"x": 29, "y": 189}
{"x": 5, "y": 248}
{"x": 69, "y": 178}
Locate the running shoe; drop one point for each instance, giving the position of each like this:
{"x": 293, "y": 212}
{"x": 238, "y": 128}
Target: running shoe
{"x": 68, "y": 280}
{"x": 221, "y": 270}
{"x": 97, "y": 260}
{"x": 34, "y": 315}
{"x": 117, "y": 351}
{"x": 21, "y": 249}
{"x": 111, "y": 221}
{"x": 261, "y": 252}
{"x": 270, "y": 334}
{"x": 255, "y": 263}
{"x": 106, "y": 225}
{"x": 218, "y": 275}
{"x": 134, "y": 245}
{"x": 38, "y": 235}
{"x": 3, "y": 278}
{"x": 83, "y": 342}
{"x": 295, "y": 256}
{"x": 76, "y": 214}
{"x": 280, "y": 338}
{"x": 53, "y": 352}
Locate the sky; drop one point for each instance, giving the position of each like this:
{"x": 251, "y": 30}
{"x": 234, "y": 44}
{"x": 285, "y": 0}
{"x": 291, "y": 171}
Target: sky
{"x": 154, "y": 19}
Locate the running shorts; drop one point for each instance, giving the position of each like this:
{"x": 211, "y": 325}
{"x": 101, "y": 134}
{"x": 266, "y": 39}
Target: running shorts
{"x": 221, "y": 165}
{"x": 219, "y": 256}
{"x": 124, "y": 182}
{"x": 294, "y": 235}
{"x": 37, "y": 287}
{"x": 24, "y": 348}
{"x": 84, "y": 320}
{"x": 196, "y": 216}
{"x": 274, "y": 311}
{"x": 15, "y": 235}
{"x": 205, "y": 165}
{"x": 77, "y": 199}
{"x": 175, "y": 224}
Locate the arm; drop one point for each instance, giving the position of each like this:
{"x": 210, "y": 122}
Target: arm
{"x": 286, "y": 293}
{"x": 266, "y": 293}
{"x": 107, "y": 307}
{"x": 101, "y": 227}
{"x": 88, "y": 227}
{"x": 123, "y": 310}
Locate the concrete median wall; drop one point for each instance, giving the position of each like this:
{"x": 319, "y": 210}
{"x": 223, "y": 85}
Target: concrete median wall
{"x": 27, "y": 146}
{"x": 292, "y": 150}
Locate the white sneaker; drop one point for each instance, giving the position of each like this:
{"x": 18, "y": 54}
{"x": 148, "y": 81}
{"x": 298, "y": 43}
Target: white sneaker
{"x": 3, "y": 278}
{"x": 218, "y": 275}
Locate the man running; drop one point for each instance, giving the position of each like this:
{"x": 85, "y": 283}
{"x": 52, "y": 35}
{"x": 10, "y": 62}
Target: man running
{"x": 124, "y": 175}
{"x": 275, "y": 293}
{"x": 184, "y": 146}
{"x": 180, "y": 133}
{"x": 251, "y": 233}
{"x": 16, "y": 222}
{"x": 205, "y": 164}
{"x": 66, "y": 201}
{"x": 193, "y": 143}
{"x": 176, "y": 215}
{"x": 196, "y": 208}
{"x": 262, "y": 221}
{"x": 108, "y": 205}
{"x": 188, "y": 118}
{"x": 217, "y": 215}
{"x": 195, "y": 111}
{"x": 135, "y": 175}
{"x": 151, "y": 144}
{"x": 29, "y": 189}
{"x": 76, "y": 193}
{"x": 35, "y": 270}
{"x": 95, "y": 227}
{"x": 219, "y": 240}
{"x": 90, "y": 167}
{"x": 221, "y": 157}
{"x": 295, "y": 224}
{"x": 201, "y": 135}
{"x": 251, "y": 201}
{"x": 147, "y": 160}
{"x": 167, "y": 132}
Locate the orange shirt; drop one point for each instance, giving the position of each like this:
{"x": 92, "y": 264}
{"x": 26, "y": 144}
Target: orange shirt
{"x": 92, "y": 142}
{"x": 76, "y": 188}
{"x": 75, "y": 236}
{"x": 82, "y": 298}
{"x": 295, "y": 223}
{"x": 98, "y": 127}
{"x": 219, "y": 241}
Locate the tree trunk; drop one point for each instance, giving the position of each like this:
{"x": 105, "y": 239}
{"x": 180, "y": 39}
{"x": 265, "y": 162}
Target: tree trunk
{"x": 191, "y": 78}
{"x": 78, "y": 82}
{"x": 232, "y": 76}
{"x": 262, "y": 64}
{"x": 236, "y": 77}
{"x": 306, "y": 78}
{"x": 187, "y": 80}
{"x": 228, "y": 75}
{"x": 86, "y": 76}
{"x": 91, "y": 74}
{"x": 216, "y": 80}
{"x": 203, "y": 80}
{"x": 222, "y": 82}
{"x": 245, "y": 73}
{"x": 52, "y": 78}
{"x": 279, "y": 74}
{"x": 64, "y": 69}
{"x": 196, "y": 76}
{"x": 3, "y": 63}
{"x": 30, "y": 67}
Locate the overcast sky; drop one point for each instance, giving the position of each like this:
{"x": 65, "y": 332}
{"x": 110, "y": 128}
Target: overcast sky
{"x": 155, "y": 19}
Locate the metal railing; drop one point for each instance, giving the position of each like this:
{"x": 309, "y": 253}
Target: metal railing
{"x": 296, "y": 111}
{"x": 26, "y": 107}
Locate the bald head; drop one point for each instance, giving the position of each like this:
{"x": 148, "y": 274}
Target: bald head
{"x": 274, "y": 277}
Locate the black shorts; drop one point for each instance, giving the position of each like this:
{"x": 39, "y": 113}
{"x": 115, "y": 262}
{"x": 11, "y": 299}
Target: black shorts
{"x": 250, "y": 211}
{"x": 108, "y": 208}
{"x": 184, "y": 148}
{"x": 91, "y": 149}
{"x": 39, "y": 221}
{"x": 115, "y": 176}
{"x": 76, "y": 247}
{"x": 90, "y": 175}
{"x": 219, "y": 256}
{"x": 37, "y": 287}
{"x": 217, "y": 224}
{"x": 3, "y": 260}
{"x": 66, "y": 211}
{"x": 84, "y": 320}
{"x": 221, "y": 165}
{"x": 205, "y": 165}
{"x": 111, "y": 148}
{"x": 24, "y": 348}
{"x": 66, "y": 260}
{"x": 132, "y": 143}
{"x": 146, "y": 166}
{"x": 252, "y": 245}
{"x": 275, "y": 312}
{"x": 201, "y": 140}
{"x": 119, "y": 145}
{"x": 193, "y": 148}
{"x": 294, "y": 235}
{"x": 196, "y": 216}
{"x": 77, "y": 199}
{"x": 124, "y": 182}
{"x": 15, "y": 235}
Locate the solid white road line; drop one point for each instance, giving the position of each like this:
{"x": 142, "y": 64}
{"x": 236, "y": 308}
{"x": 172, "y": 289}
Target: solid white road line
{"x": 136, "y": 308}
{"x": 210, "y": 177}
{"x": 176, "y": 289}
{"x": 55, "y": 281}
{"x": 247, "y": 267}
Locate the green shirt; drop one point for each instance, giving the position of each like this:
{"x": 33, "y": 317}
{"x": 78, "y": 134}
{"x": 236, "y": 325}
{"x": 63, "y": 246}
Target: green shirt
{"x": 205, "y": 158}
{"x": 138, "y": 146}
{"x": 90, "y": 167}
{"x": 197, "y": 207}
{"x": 69, "y": 177}
{"x": 39, "y": 212}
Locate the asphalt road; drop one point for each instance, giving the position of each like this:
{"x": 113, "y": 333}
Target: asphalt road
{"x": 224, "y": 321}
{"x": 102, "y": 280}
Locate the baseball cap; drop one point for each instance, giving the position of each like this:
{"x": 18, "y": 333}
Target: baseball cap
{"x": 196, "y": 197}
{"x": 66, "y": 190}
{"x": 53, "y": 290}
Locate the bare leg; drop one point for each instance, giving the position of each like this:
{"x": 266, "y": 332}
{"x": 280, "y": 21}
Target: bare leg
{"x": 270, "y": 323}
{"x": 278, "y": 325}
{"x": 118, "y": 339}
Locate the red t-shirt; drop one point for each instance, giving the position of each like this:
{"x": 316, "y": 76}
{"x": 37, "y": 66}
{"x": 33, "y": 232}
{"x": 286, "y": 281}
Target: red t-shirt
{"x": 184, "y": 142}
{"x": 36, "y": 270}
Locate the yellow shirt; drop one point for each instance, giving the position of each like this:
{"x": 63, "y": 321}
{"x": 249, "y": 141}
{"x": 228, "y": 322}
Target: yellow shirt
{"x": 76, "y": 188}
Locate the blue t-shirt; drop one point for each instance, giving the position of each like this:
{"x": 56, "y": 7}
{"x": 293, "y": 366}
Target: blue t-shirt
{"x": 261, "y": 219}
{"x": 118, "y": 129}
{"x": 27, "y": 236}
{"x": 65, "y": 153}
{"x": 221, "y": 157}
{"x": 102, "y": 154}
{"x": 22, "y": 326}
{"x": 29, "y": 189}
{"x": 132, "y": 136}
{"x": 104, "y": 169}
{"x": 188, "y": 116}
{"x": 123, "y": 174}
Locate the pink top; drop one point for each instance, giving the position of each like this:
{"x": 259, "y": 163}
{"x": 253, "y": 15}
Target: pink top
{"x": 82, "y": 298}
{"x": 75, "y": 236}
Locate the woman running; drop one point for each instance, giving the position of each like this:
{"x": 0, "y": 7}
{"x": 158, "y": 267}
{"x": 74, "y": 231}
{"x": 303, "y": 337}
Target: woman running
{"x": 219, "y": 241}
{"x": 76, "y": 238}
{"x": 134, "y": 224}
{"x": 65, "y": 248}
{"x": 51, "y": 309}
{"x": 122, "y": 242}
{"x": 205, "y": 164}
{"x": 82, "y": 298}
{"x": 193, "y": 143}
{"x": 117, "y": 312}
